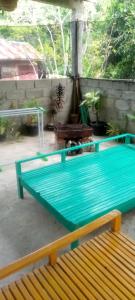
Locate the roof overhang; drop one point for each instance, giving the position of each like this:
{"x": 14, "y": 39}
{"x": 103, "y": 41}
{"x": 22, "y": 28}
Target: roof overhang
{"x": 10, "y": 5}
{"x": 65, "y": 3}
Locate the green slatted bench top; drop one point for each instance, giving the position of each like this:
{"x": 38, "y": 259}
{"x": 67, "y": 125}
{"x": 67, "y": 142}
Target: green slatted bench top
{"x": 85, "y": 188}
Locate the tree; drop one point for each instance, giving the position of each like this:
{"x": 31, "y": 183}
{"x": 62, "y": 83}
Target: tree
{"x": 112, "y": 51}
{"x": 46, "y": 27}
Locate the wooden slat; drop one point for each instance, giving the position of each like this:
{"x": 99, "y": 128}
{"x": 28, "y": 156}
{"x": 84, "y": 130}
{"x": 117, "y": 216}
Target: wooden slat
{"x": 92, "y": 264}
{"x": 80, "y": 284}
{"x": 71, "y": 284}
{"x": 104, "y": 284}
{"x": 7, "y": 293}
{"x": 23, "y": 290}
{"x": 2, "y": 297}
{"x": 46, "y": 285}
{"x": 113, "y": 256}
{"x": 128, "y": 240}
{"x": 38, "y": 286}
{"x": 15, "y": 291}
{"x": 93, "y": 280}
{"x": 32, "y": 289}
{"x": 110, "y": 273}
{"x": 124, "y": 245}
{"x": 112, "y": 282}
{"x": 111, "y": 266}
{"x": 64, "y": 285}
{"x": 52, "y": 282}
{"x": 120, "y": 249}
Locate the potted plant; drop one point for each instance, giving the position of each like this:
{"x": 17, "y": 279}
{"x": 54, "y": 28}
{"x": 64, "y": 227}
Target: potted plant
{"x": 114, "y": 129}
{"x": 30, "y": 126}
{"x": 3, "y": 129}
{"x": 56, "y": 104}
{"x": 93, "y": 101}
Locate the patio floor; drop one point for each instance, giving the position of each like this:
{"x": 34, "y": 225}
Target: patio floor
{"x": 24, "y": 224}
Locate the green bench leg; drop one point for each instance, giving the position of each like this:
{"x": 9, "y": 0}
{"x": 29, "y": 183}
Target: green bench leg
{"x": 75, "y": 244}
{"x": 20, "y": 191}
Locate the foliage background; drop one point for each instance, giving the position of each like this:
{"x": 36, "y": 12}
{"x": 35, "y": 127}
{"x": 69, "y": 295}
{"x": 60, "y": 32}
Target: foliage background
{"x": 108, "y": 41}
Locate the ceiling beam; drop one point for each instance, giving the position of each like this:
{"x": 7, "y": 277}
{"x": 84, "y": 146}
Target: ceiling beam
{"x": 65, "y": 3}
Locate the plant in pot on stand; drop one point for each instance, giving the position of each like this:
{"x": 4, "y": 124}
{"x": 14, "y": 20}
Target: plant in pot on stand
{"x": 30, "y": 126}
{"x": 93, "y": 101}
{"x": 57, "y": 101}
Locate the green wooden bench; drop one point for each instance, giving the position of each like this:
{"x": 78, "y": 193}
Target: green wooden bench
{"x": 79, "y": 190}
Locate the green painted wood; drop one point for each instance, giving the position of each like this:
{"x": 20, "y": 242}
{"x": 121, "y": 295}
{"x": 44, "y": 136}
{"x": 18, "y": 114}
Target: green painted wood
{"x": 66, "y": 150}
{"x": 84, "y": 188}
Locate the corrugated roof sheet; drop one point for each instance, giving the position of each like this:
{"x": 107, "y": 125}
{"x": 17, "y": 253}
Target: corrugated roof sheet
{"x": 10, "y": 50}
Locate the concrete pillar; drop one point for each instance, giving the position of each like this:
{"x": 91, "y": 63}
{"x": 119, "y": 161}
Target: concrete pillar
{"x": 77, "y": 26}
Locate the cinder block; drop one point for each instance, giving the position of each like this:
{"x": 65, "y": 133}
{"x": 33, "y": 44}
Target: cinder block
{"x": 56, "y": 81}
{"x": 105, "y": 84}
{"x": 47, "y": 92}
{"x": 122, "y": 105}
{"x": 116, "y": 94}
{"x": 43, "y": 83}
{"x": 2, "y": 95}
{"x": 15, "y": 94}
{"x": 131, "y": 85}
{"x": 92, "y": 83}
{"x": 128, "y": 95}
{"x": 34, "y": 93}
{"x": 120, "y": 85}
{"x": 133, "y": 106}
{"x": 25, "y": 84}
{"x": 7, "y": 85}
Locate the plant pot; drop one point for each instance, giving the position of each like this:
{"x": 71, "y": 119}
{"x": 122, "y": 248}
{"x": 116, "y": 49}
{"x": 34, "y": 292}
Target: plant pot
{"x": 29, "y": 130}
{"x": 2, "y": 137}
{"x": 99, "y": 128}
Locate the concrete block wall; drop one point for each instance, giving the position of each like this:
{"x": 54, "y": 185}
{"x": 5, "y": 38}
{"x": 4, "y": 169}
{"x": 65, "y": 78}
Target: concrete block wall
{"x": 119, "y": 100}
{"x": 14, "y": 93}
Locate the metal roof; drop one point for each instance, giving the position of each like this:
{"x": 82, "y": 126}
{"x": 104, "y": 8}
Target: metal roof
{"x": 11, "y": 50}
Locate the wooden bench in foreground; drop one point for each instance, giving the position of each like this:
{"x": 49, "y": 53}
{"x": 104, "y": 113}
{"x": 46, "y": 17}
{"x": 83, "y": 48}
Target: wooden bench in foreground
{"x": 102, "y": 268}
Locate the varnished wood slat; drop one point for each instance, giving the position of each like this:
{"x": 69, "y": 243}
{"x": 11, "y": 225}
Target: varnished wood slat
{"x": 23, "y": 290}
{"x": 84, "y": 279}
{"x": 103, "y": 271}
{"x": 58, "y": 289}
{"x": 112, "y": 255}
{"x": 120, "y": 250}
{"x": 7, "y": 293}
{"x": 124, "y": 244}
{"x": 78, "y": 283}
{"x": 92, "y": 264}
{"x": 99, "y": 277}
{"x": 111, "y": 266}
{"x": 2, "y": 297}
{"x": 69, "y": 282}
{"x": 15, "y": 291}
{"x": 46, "y": 285}
{"x": 32, "y": 289}
{"x": 60, "y": 281}
{"x": 127, "y": 239}
{"x": 38, "y": 286}
{"x": 93, "y": 280}
{"x": 110, "y": 272}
